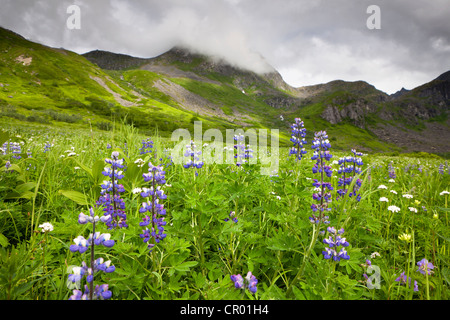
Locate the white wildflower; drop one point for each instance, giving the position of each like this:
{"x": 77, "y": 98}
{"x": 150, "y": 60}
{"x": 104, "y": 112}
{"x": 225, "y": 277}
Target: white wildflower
{"x": 140, "y": 163}
{"x": 46, "y": 227}
{"x": 137, "y": 190}
{"x": 394, "y": 208}
{"x": 374, "y": 255}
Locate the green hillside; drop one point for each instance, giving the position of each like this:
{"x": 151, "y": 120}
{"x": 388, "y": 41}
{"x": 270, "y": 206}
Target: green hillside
{"x": 56, "y": 87}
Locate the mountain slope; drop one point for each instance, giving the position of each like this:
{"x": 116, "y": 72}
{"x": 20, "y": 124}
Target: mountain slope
{"x": 59, "y": 87}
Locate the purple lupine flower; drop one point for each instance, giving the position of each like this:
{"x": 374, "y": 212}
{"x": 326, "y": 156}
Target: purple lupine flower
{"x": 250, "y": 282}
{"x": 113, "y": 205}
{"x": 248, "y": 153}
{"x": 155, "y": 209}
{"x": 322, "y": 195}
{"x": 77, "y": 274}
{"x": 391, "y": 171}
{"x": 239, "y": 148}
{"x": 78, "y": 295}
{"x": 298, "y": 134}
{"x": 81, "y": 245}
{"x": 103, "y": 239}
{"x": 147, "y": 146}
{"x": 350, "y": 166}
{"x": 425, "y": 267}
{"x": 232, "y": 216}
{"x": 193, "y": 156}
{"x": 13, "y": 148}
{"x": 47, "y": 146}
{"x": 403, "y": 279}
{"x": 101, "y": 292}
{"x": 238, "y": 281}
{"x": 334, "y": 241}
{"x": 104, "y": 266}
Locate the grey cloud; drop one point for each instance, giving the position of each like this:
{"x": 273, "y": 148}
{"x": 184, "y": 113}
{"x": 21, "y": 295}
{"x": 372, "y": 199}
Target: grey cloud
{"x": 309, "y": 42}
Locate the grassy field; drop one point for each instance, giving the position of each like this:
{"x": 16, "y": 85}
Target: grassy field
{"x": 221, "y": 220}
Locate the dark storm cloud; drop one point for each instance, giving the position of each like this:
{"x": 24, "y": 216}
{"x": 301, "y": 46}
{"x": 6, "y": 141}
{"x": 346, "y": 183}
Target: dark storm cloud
{"x": 308, "y": 42}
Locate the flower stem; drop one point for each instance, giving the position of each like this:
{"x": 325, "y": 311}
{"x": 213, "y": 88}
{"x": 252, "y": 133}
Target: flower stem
{"x": 91, "y": 284}
{"x": 305, "y": 259}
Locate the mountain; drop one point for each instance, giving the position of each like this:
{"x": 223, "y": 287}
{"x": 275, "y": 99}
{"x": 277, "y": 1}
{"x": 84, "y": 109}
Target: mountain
{"x": 59, "y": 88}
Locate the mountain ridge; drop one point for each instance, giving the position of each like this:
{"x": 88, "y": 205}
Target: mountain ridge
{"x": 179, "y": 87}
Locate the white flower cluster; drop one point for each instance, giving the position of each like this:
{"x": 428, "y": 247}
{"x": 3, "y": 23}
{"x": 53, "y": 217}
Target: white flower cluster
{"x": 46, "y": 227}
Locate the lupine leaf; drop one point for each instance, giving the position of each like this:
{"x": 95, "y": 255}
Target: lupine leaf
{"x": 75, "y": 196}
{"x": 185, "y": 266}
{"x": 3, "y": 241}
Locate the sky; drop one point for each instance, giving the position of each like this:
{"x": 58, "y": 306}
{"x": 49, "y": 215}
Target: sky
{"x": 307, "y": 41}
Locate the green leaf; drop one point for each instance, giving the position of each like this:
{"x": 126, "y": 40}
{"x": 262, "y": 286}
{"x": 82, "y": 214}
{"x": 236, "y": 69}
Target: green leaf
{"x": 17, "y": 195}
{"x": 25, "y": 187}
{"x": 298, "y": 293}
{"x": 97, "y": 169}
{"x": 3, "y": 241}
{"x": 185, "y": 266}
{"x": 14, "y": 167}
{"x": 75, "y": 196}
{"x": 82, "y": 166}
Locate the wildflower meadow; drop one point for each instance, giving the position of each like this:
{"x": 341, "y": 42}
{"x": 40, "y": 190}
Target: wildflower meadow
{"x": 111, "y": 216}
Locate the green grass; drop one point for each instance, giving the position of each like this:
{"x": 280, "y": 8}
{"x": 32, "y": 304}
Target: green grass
{"x": 272, "y": 237}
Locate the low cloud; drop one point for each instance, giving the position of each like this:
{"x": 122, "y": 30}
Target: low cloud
{"x": 308, "y": 42}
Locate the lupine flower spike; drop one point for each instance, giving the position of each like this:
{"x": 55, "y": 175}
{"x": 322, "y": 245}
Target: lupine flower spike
{"x": 110, "y": 199}
{"x": 403, "y": 279}
{"x": 154, "y": 209}
{"x": 334, "y": 241}
{"x": 322, "y": 195}
{"x": 193, "y": 156}
{"x": 81, "y": 246}
{"x": 239, "y": 149}
{"x": 298, "y": 134}
{"x": 250, "y": 282}
{"x": 350, "y": 166}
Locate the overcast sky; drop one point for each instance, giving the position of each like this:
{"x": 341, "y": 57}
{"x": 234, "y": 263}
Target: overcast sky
{"x": 307, "y": 41}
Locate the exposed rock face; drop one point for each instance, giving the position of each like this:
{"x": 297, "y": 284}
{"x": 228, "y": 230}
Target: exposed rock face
{"x": 278, "y": 102}
{"x": 113, "y": 61}
{"x": 355, "y": 111}
{"x": 431, "y": 139}
{"x": 399, "y": 93}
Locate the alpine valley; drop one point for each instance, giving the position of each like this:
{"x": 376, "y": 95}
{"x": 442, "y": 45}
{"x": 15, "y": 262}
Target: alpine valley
{"x": 55, "y": 87}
